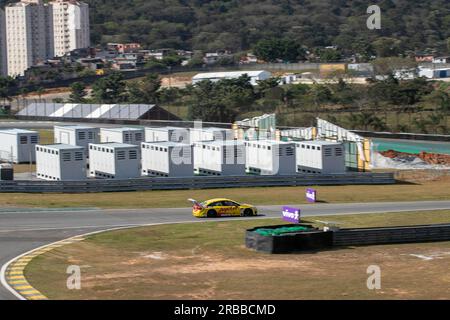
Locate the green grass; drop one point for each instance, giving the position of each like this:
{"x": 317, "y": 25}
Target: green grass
{"x": 209, "y": 261}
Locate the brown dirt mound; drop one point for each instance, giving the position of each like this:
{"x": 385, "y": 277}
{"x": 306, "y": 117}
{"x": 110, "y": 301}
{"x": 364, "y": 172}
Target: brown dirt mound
{"x": 430, "y": 158}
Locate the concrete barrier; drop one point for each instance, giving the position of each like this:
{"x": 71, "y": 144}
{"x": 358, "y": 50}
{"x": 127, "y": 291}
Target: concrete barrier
{"x": 142, "y": 184}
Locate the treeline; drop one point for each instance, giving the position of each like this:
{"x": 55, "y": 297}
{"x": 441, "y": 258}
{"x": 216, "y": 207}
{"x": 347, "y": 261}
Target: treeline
{"x": 239, "y": 25}
{"x": 414, "y": 105}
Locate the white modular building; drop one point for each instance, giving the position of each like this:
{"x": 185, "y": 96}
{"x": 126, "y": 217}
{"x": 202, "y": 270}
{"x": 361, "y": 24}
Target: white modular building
{"x": 174, "y": 134}
{"x": 122, "y": 135}
{"x": 255, "y": 76}
{"x": 60, "y": 162}
{"x": 18, "y": 145}
{"x": 270, "y": 157}
{"x": 434, "y": 73}
{"x": 219, "y": 158}
{"x": 209, "y": 134}
{"x": 114, "y": 161}
{"x": 167, "y": 159}
{"x": 320, "y": 157}
{"x": 76, "y": 135}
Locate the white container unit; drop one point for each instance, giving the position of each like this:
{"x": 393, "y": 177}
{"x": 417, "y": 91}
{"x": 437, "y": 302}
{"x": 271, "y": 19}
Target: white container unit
{"x": 114, "y": 161}
{"x": 219, "y": 158}
{"x": 270, "y": 157}
{"x": 76, "y": 135}
{"x": 60, "y": 162}
{"x": 320, "y": 157}
{"x": 167, "y": 159}
{"x": 209, "y": 134}
{"x": 174, "y": 134}
{"x": 18, "y": 146}
{"x": 122, "y": 135}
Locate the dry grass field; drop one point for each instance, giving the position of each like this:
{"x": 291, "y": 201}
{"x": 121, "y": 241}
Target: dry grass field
{"x": 209, "y": 261}
{"x": 437, "y": 189}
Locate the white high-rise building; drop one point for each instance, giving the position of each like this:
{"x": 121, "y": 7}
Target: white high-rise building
{"x": 70, "y": 25}
{"x": 3, "y": 61}
{"x": 29, "y": 35}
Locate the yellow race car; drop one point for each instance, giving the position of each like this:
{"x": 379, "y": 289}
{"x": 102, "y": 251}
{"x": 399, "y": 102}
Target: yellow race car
{"x": 222, "y": 207}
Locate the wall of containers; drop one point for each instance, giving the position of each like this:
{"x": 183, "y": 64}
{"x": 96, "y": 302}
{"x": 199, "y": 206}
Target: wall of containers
{"x": 124, "y": 153}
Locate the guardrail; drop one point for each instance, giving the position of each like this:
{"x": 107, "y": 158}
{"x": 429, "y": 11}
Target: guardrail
{"x": 387, "y": 235}
{"x": 143, "y": 184}
{"x": 315, "y": 239}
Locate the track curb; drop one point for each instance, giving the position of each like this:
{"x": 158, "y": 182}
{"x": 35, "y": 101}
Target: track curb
{"x": 12, "y": 273}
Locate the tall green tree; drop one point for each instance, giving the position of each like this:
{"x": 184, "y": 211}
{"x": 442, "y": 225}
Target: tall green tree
{"x": 6, "y": 84}
{"x": 110, "y": 89}
{"x": 146, "y": 90}
{"x": 220, "y": 101}
{"x": 272, "y": 50}
{"x": 330, "y": 55}
{"x": 78, "y": 92}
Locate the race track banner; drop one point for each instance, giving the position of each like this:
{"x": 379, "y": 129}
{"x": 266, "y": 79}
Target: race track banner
{"x": 291, "y": 214}
{"x": 311, "y": 195}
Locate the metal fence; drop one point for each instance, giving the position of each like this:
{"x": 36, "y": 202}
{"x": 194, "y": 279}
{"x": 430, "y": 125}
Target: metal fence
{"x": 142, "y": 184}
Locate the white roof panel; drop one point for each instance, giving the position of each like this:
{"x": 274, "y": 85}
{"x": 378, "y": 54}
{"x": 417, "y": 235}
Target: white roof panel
{"x": 227, "y": 75}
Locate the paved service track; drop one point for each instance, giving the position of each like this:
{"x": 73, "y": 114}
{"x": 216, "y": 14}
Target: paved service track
{"x": 25, "y": 229}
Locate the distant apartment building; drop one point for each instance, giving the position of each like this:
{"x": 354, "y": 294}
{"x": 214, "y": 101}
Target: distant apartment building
{"x": 38, "y": 31}
{"x": 3, "y": 61}
{"x": 70, "y": 26}
{"x": 29, "y": 35}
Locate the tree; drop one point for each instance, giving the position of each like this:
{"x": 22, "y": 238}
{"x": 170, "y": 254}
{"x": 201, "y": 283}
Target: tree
{"x": 110, "y": 89}
{"x": 387, "y": 66}
{"x": 6, "y": 84}
{"x": 239, "y": 25}
{"x": 387, "y": 47}
{"x": 40, "y": 91}
{"x": 267, "y": 85}
{"x": 366, "y": 120}
{"x": 78, "y": 93}
{"x": 329, "y": 55}
{"x": 146, "y": 90}
{"x": 319, "y": 94}
{"x": 197, "y": 60}
{"x": 220, "y": 101}
{"x": 272, "y": 50}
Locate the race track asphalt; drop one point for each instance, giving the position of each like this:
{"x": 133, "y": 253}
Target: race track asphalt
{"x": 22, "y": 230}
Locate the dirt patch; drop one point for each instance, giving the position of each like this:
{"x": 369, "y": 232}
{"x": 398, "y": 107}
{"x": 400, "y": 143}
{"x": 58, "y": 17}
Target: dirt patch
{"x": 176, "y": 81}
{"x": 209, "y": 261}
{"x": 430, "y": 158}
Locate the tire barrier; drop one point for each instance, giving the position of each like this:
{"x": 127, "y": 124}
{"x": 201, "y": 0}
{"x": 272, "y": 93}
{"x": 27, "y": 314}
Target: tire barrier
{"x": 318, "y": 239}
{"x": 199, "y": 182}
{"x": 288, "y": 242}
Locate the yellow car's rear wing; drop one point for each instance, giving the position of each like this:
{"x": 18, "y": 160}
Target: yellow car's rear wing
{"x": 196, "y": 203}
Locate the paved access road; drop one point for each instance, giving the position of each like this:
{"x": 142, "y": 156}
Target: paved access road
{"x": 22, "y": 230}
